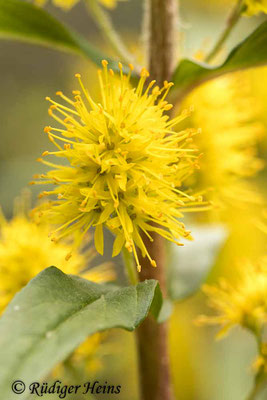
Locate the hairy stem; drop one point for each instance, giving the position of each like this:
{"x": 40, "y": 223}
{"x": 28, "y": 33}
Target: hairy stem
{"x": 153, "y": 337}
{"x": 230, "y": 24}
{"x": 108, "y": 31}
{"x": 161, "y": 25}
{"x": 155, "y": 382}
{"x": 130, "y": 267}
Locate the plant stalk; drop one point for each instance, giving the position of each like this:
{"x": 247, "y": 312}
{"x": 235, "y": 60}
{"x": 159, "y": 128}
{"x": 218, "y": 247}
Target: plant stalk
{"x": 154, "y": 361}
{"x": 161, "y": 24}
{"x": 230, "y": 24}
{"x": 130, "y": 267}
{"x": 108, "y": 31}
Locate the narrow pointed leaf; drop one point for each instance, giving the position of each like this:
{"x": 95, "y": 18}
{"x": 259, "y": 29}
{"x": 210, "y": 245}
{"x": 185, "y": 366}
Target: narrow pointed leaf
{"x": 54, "y": 313}
{"x": 24, "y": 21}
{"x": 249, "y": 53}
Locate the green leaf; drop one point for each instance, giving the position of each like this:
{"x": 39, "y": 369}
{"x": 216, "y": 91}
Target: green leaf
{"x": 190, "y": 265}
{"x": 24, "y": 21}
{"x": 249, "y": 53}
{"x": 55, "y": 312}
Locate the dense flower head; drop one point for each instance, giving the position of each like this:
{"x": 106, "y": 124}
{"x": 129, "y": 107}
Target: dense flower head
{"x": 25, "y": 250}
{"x": 254, "y": 7}
{"x": 227, "y": 114}
{"x": 243, "y": 303}
{"x": 68, "y": 4}
{"x": 125, "y": 164}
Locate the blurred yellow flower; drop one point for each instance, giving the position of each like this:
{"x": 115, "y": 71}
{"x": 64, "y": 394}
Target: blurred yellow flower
{"x": 86, "y": 359}
{"x": 254, "y": 7}
{"x": 227, "y": 114}
{"x": 125, "y": 164}
{"x": 64, "y": 4}
{"x": 260, "y": 364}
{"x": 25, "y": 250}
{"x": 243, "y": 303}
{"x": 87, "y": 353}
{"x": 109, "y": 3}
{"x": 68, "y": 4}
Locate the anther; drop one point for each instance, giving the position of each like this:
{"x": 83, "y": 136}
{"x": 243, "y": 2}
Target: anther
{"x": 68, "y": 256}
{"x": 168, "y": 107}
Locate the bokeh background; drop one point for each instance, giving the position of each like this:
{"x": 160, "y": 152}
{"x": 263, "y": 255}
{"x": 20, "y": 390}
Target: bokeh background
{"x": 202, "y": 368}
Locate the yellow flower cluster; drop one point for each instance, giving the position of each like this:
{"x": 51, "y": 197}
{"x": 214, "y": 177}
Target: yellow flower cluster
{"x": 227, "y": 114}
{"x": 244, "y": 303}
{"x": 68, "y": 4}
{"x": 125, "y": 164}
{"x": 86, "y": 358}
{"x": 25, "y": 250}
{"x": 254, "y": 7}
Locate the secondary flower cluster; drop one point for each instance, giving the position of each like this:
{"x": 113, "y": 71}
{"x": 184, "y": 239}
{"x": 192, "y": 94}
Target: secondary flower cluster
{"x": 124, "y": 164}
{"x": 227, "y": 114}
{"x": 25, "y": 250}
{"x": 244, "y": 303}
{"x": 254, "y": 7}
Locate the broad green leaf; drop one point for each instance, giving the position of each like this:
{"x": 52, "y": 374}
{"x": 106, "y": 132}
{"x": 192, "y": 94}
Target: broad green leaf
{"x": 24, "y": 21}
{"x": 55, "y": 312}
{"x": 249, "y": 53}
{"x": 189, "y": 265}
